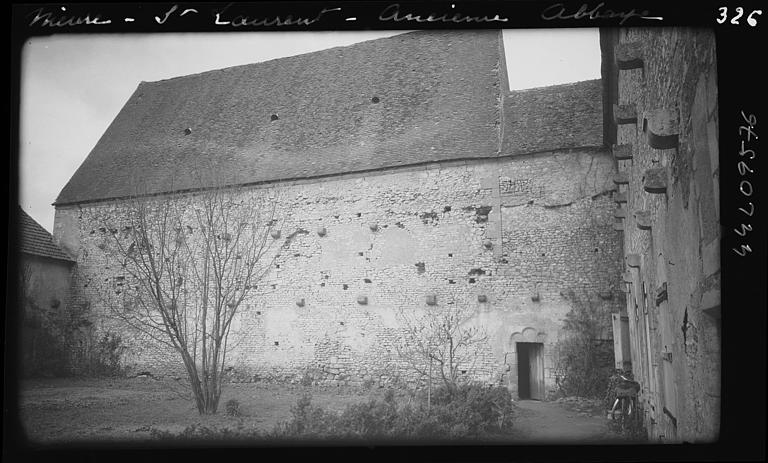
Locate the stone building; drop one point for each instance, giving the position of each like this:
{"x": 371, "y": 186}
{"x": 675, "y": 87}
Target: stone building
{"x": 45, "y": 278}
{"x": 661, "y": 94}
{"x": 408, "y": 174}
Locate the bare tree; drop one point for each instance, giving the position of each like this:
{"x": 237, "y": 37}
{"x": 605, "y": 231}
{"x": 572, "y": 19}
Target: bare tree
{"x": 440, "y": 343}
{"x": 189, "y": 262}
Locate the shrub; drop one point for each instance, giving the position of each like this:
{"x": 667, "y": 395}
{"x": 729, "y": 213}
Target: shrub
{"x": 308, "y": 421}
{"x": 469, "y": 411}
{"x": 466, "y": 412}
{"x": 105, "y": 357}
{"x": 481, "y": 409}
{"x": 309, "y": 376}
{"x": 232, "y": 407}
{"x": 584, "y": 359}
{"x": 197, "y": 434}
{"x": 439, "y": 346}
{"x": 583, "y": 373}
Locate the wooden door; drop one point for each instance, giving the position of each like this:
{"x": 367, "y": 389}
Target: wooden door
{"x": 667, "y": 368}
{"x": 621, "y": 348}
{"x": 536, "y": 368}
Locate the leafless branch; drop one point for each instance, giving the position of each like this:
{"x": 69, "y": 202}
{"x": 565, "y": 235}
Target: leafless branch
{"x": 188, "y": 263}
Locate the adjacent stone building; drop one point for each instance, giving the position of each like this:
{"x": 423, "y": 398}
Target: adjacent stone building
{"x": 661, "y": 98}
{"x": 408, "y": 174}
{"x": 45, "y": 272}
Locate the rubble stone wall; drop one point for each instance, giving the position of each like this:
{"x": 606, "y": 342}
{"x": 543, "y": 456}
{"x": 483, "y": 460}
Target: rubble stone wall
{"x": 503, "y": 239}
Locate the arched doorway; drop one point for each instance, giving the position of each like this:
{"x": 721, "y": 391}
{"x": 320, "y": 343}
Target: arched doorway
{"x": 530, "y": 370}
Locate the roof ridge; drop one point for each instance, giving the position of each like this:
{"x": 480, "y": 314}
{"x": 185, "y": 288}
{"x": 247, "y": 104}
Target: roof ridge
{"x": 565, "y": 84}
{"x": 256, "y": 63}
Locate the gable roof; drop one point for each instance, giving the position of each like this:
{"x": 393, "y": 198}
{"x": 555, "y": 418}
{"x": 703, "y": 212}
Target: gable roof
{"x": 37, "y": 241}
{"x": 412, "y": 98}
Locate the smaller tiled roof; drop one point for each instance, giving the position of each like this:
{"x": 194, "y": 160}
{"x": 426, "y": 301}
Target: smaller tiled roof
{"x": 37, "y": 241}
{"x": 554, "y": 117}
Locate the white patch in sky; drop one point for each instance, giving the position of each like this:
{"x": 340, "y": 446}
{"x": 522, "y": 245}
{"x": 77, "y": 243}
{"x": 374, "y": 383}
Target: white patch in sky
{"x": 543, "y": 57}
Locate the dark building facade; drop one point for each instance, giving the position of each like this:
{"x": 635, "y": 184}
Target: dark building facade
{"x": 661, "y": 104}
{"x": 45, "y": 277}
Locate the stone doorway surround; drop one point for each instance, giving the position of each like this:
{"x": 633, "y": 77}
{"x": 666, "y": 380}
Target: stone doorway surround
{"x": 527, "y": 336}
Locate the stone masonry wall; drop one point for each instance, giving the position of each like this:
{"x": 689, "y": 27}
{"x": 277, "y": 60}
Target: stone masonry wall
{"x": 505, "y": 229}
{"x": 674, "y": 295}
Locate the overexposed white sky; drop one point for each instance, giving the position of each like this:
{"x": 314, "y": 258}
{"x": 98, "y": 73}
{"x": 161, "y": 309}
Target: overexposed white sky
{"x": 73, "y": 86}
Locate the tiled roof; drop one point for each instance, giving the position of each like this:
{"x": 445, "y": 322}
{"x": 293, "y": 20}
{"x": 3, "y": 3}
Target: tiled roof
{"x": 412, "y": 98}
{"x": 36, "y": 240}
{"x": 555, "y": 117}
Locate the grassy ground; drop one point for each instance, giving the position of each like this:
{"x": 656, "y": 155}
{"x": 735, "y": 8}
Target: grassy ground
{"x": 92, "y": 410}
{"x": 83, "y": 411}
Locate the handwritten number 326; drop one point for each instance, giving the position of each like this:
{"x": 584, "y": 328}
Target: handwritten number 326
{"x": 739, "y": 13}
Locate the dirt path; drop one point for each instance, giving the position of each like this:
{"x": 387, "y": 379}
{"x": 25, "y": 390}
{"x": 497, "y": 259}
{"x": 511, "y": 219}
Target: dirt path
{"x": 554, "y": 422}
